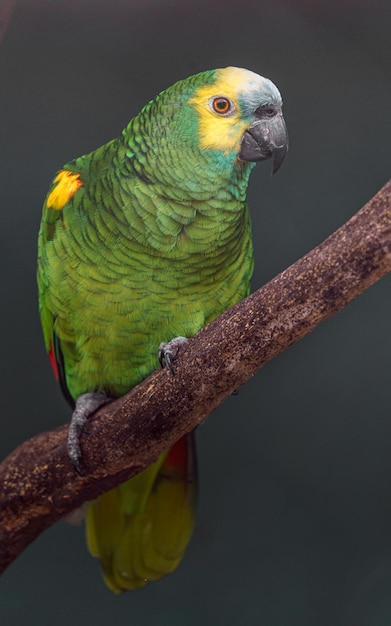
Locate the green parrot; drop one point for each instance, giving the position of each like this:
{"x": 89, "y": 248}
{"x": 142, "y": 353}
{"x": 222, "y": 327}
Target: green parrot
{"x": 143, "y": 242}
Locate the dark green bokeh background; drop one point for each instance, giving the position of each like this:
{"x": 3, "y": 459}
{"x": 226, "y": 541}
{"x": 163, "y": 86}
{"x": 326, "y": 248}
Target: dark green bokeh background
{"x": 294, "y": 524}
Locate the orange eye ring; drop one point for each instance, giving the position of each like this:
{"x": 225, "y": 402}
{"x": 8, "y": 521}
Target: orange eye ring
{"x": 222, "y": 105}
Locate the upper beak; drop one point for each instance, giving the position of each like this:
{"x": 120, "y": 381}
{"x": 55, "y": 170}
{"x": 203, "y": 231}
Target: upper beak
{"x": 267, "y": 137}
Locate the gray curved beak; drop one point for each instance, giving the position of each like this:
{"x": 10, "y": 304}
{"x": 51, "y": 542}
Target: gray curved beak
{"x": 266, "y": 138}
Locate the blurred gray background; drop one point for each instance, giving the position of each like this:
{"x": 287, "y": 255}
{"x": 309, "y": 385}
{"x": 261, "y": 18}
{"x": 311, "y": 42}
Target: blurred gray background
{"x": 294, "y": 524}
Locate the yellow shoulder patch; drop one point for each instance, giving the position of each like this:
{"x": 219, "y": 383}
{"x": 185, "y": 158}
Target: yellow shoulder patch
{"x": 66, "y": 184}
{"x": 218, "y": 132}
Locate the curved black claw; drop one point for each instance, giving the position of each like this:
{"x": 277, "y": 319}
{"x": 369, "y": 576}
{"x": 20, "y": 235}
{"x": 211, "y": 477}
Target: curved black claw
{"x": 86, "y": 405}
{"x": 169, "y": 351}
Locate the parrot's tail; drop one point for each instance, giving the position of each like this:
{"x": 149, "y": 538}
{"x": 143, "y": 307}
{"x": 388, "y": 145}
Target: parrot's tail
{"x": 140, "y": 530}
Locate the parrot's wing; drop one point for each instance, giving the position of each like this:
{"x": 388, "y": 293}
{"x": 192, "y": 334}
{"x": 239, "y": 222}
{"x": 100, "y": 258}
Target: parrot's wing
{"x": 140, "y": 530}
{"x": 56, "y": 359}
{"x": 62, "y": 192}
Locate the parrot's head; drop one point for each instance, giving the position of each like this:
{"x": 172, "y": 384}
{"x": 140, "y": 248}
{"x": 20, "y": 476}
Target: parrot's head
{"x": 214, "y": 126}
{"x": 240, "y": 115}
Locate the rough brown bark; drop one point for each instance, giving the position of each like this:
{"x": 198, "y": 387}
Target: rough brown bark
{"x": 37, "y": 482}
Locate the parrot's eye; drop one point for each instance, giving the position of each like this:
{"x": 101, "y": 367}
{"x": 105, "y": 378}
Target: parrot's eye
{"x": 222, "y": 105}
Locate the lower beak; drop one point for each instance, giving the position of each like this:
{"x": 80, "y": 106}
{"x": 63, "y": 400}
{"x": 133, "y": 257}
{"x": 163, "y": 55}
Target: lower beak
{"x": 265, "y": 139}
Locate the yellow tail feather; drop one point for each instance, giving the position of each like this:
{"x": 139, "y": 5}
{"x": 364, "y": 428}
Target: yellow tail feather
{"x": 140, "y": 530}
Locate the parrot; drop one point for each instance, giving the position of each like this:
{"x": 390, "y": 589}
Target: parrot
{"x": 143, "y": 242}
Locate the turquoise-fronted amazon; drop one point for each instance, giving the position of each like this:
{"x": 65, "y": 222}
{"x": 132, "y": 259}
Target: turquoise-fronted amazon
{"x": 143, "y": 240}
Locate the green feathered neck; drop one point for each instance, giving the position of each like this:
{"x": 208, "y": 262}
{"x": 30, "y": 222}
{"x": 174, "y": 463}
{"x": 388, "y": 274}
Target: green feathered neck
{"x": 162, "y": 145}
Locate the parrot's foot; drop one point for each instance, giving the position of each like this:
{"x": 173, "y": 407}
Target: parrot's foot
{"x": 169, "y": 351}
{"x": 86, "y": 405}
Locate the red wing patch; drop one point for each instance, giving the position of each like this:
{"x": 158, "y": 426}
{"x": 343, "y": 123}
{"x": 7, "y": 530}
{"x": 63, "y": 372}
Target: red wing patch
{"x": 53, "y": 362}
{"x": 56, "y": 359}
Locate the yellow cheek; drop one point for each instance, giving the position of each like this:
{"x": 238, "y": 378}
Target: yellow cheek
{"x": 66, "y": 185}
{"x": 219, "y": 132}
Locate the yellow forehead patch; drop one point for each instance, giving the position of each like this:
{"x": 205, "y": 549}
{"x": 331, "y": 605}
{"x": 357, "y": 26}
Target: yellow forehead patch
{"x": 66, "y": 184}
{"x": 218, "y": 132}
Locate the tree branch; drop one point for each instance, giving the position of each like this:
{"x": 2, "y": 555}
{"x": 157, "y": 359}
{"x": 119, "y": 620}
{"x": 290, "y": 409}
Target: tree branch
{"x": 38, "y": 484}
